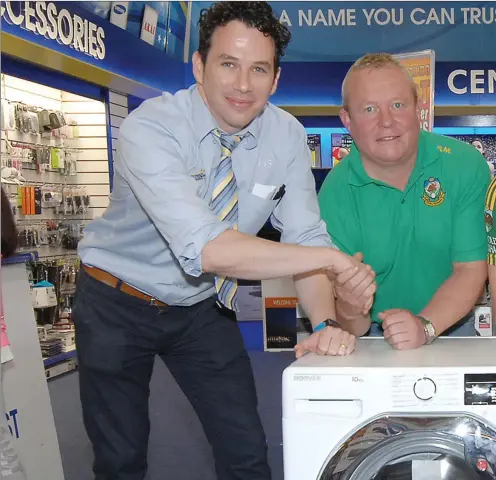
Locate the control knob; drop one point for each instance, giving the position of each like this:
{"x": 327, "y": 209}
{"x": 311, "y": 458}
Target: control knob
{"x": 424, "y": 388}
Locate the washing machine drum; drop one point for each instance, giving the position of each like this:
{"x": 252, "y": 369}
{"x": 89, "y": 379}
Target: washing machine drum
{"x": 454, "y": 447}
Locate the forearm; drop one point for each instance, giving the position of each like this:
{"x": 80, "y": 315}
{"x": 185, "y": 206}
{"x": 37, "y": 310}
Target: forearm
{"x": 352, "y": 320}
{"x": 235, "y": 254}
{"x": 315, "y": 294}
{"x": 456, "y": 296}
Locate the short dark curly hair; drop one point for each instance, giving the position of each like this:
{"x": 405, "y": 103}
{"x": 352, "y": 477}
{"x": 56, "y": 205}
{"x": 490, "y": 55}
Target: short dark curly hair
{"x": 258, "y": 15}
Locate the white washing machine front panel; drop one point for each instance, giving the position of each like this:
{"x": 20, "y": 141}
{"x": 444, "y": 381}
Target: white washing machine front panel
{"x": 328, "y": 399}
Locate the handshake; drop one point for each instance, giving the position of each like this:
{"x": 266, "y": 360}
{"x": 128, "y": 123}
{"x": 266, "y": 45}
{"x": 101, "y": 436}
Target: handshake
{"x": 354, "y": 289}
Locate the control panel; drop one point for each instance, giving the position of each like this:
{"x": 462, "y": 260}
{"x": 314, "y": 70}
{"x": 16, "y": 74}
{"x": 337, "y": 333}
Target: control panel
{"x": 419, "y": 390}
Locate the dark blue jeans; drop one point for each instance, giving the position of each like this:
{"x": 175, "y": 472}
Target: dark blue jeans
{"x": 117, "y": 338}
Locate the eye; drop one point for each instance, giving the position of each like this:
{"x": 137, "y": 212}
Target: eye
{"x": 398, "y": 105}
{"x": 260, "y": 70}
{"x": 228, "y": 64}
{"x": 369, "y": 109}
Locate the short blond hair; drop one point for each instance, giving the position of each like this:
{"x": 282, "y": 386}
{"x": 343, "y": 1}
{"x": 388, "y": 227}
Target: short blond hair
{"x": 373, "y": 61}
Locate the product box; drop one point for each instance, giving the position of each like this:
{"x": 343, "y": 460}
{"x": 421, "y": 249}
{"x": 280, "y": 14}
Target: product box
{"x": 483, "y": 321}
{"x": 285, "y": 322}
{"x": 44, "y": 297}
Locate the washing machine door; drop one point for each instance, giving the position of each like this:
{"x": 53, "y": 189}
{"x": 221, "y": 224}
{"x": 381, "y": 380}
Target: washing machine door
{"x": 453, "y": 447}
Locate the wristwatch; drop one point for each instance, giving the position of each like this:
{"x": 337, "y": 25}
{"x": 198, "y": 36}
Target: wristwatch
{"x": 326, "y": 323}
{"x": 430, "y": 331}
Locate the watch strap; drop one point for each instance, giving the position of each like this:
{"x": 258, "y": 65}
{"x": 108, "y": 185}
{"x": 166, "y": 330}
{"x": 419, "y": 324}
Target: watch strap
{"x": 326, "y": 323}
{"x": 430, "y": 331}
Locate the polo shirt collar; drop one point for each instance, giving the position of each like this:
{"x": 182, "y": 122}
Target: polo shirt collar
{"x": 357, "y": 176}
{"x": 204, "y": 122}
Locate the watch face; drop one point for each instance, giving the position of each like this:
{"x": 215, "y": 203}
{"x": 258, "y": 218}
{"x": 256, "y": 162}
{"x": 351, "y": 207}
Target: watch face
{"x": 423, "y": 320}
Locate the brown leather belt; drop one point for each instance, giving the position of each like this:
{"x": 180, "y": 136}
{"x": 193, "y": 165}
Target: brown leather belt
{"x": 114, "y": 282}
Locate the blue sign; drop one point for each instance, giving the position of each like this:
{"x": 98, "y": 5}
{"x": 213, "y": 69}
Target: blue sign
{"x": 464, "y": 83}
{"x": 344, "y": 31}
{"x": 81, "y": 34}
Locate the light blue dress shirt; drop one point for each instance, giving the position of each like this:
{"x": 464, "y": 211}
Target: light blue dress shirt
{"x": 158, "y": 220}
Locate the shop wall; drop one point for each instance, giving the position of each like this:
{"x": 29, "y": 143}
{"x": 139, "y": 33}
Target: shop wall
{"x": 118, "y": 110}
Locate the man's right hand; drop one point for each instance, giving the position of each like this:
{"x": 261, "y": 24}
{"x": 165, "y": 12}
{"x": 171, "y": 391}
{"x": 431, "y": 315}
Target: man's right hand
{"x": 355, "y": 286}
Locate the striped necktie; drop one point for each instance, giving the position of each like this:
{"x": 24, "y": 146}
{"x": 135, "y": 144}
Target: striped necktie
{"x": 224, "y": 203}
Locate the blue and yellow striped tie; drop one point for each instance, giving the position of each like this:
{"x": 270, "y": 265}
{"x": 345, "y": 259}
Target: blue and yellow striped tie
{"x": 224, "y": 203}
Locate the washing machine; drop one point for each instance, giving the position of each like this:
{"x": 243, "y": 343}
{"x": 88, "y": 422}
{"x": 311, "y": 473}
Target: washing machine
{"x": 380, "y": 413}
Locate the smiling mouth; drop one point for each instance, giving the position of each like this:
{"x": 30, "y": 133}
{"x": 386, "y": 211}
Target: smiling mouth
{"x": 388, "y": 139}
{"x": 241, "y": 104}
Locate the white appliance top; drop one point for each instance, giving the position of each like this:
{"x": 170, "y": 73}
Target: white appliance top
{"x": 377, "y": 353}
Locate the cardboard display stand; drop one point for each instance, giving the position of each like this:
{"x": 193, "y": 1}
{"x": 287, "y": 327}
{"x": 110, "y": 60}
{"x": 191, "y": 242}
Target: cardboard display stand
{"x": 28, "y": 406}
{"x": 285, "y": 322}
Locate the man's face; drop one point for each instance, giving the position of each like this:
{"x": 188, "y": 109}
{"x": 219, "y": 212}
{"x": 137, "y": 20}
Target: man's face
{"x": 238, "y": 75}
{"x": 382, "y": 116}
{"x": 478, "y": 146}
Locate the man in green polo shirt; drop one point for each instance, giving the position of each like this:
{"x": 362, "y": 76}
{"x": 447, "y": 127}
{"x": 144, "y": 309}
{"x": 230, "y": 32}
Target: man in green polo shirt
{"x": 412, "y": 203}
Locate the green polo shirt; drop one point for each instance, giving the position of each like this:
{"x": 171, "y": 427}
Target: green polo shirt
{"x": 411, "y": 237}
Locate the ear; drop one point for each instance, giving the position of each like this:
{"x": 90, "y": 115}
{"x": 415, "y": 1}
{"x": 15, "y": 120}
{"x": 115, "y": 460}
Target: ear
{"x": 276, "y": 81}
{"x": 418, "y": 109}
{"x": 198, "y": 68}
{"x": 345, "y": 118}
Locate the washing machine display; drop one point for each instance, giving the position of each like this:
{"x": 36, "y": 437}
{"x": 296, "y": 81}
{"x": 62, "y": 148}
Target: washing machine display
{"x": 457, "y": 447}
{"x": 384, "y": 414}
{"x": 480, "y": 389}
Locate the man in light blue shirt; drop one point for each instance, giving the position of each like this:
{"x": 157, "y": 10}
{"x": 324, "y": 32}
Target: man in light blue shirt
{"x": 196, "y": 176}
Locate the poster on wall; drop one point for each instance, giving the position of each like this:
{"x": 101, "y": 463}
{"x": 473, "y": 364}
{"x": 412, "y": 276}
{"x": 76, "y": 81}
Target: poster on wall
{"x": 313, "y": 141}
{"x": 340, "y": 147}
{"x": 486, "y": 144}
{"x": 421, "y": 67}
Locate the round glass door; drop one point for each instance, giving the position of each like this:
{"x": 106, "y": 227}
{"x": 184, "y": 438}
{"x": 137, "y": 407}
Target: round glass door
{"x": 457, "y": 447}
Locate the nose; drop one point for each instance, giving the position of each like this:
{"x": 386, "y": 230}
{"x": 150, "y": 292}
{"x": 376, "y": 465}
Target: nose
{"x": 385, "y": 118}
{"x": 243, "y": 81}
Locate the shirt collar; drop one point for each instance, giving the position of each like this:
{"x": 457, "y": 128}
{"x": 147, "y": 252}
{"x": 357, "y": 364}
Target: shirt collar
{"x": 357, "y": 175}
{"x": 204, "y": 122}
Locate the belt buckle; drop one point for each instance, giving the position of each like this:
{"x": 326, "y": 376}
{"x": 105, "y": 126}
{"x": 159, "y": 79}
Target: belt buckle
{"x": 152, "y": 302}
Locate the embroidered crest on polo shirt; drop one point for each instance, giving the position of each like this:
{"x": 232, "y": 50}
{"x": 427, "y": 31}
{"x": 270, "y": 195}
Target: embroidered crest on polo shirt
{"x": 433, "y": 194}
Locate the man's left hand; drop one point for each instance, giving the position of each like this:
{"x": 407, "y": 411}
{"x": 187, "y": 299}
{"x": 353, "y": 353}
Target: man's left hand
{"x": 402, "y": 329}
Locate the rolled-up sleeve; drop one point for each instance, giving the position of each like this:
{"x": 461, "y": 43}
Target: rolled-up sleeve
{"x": 297, "y": 216}
{"x": 152, "y": 162}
